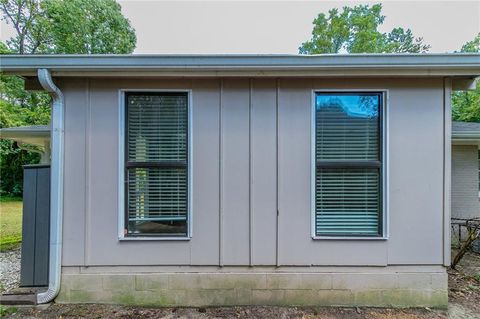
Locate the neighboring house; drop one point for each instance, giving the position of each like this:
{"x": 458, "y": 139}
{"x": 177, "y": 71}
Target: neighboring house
{"x": 250, "y": 179}
{"x": 465, "y": 170}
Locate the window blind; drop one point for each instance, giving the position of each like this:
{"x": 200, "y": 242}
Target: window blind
{"x": 348, "y": 164}
{"x": 156, "y": 164}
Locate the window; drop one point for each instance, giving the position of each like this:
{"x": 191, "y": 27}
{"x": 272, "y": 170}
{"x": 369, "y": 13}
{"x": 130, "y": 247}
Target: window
{"x": 156, "y": 164}
{"x": 348, "y": 164}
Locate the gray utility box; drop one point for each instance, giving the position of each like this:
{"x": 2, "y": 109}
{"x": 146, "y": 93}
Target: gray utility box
{"x": 36, "y": 226}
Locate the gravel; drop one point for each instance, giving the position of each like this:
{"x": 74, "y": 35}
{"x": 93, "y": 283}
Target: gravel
{"x": 9, "y": 269}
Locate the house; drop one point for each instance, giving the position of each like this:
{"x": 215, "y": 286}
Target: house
{"x": 465, "y": 180}
{"x": 465, "y": 170}
{"x": 189, "y": 180}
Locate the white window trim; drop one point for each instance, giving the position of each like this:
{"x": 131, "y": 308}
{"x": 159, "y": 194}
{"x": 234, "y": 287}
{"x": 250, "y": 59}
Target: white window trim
{"x": 121, "y": 168}
{"x": 385, "y": 165}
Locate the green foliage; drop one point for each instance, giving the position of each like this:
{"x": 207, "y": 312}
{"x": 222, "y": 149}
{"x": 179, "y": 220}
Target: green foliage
{"x": 472, "y": 46}
{"x": 8, "y": 198}
{"x": 477, "y": 277}
{"x": 466, "y": 105}
{"x": 10, "y": 222}
{"x": 13, "y": 158}
{"x": 18, "y": 108}
{"x": 5, "y": 311}
{"x": 11, "y": 162}
{"x": 355, "y": 30}
{"x": 50, "y": 26}
{"x": 403, "y": 41}
{"x": 68, "y": 26}
{"x": 26, "y": 18}
{"x": 87, "y": 26}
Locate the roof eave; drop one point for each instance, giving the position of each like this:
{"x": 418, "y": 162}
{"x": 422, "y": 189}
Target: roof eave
{"x": 247, "y": 71}
{"x": 466, "y": 138}
{"x": 466, "y": 65}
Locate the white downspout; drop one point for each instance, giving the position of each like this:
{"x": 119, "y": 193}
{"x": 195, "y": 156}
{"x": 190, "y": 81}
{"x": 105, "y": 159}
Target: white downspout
{"x": 56, "y": 188}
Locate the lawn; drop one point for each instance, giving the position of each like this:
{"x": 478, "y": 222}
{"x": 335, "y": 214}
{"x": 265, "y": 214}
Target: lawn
{"x": 10, "y": 223}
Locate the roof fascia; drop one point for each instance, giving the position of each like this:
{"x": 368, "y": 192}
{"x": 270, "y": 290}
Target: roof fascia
{"x": 466, "y": 65}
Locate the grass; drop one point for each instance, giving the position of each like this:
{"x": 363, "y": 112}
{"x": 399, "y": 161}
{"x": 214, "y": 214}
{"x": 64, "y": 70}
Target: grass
{"x": 4, "y": 310}
{"x": 10, "y": 223}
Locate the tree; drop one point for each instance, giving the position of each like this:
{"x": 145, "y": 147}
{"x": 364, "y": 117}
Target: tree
{"x": 17, "y": 108}
{"x": 472, "y": 46}
{"x": 68, "y": 26}
{"x": 466, "y": 105}
{"x": 355, "y": 30}
{"x": 26, "y": 17}
{"x": 50, "y": 26}
{"x": 88, "y": 26}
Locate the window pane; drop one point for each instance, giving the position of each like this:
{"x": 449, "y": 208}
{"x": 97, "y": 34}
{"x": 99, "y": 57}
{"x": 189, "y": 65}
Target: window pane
{"x": 157, "y": 201}
{"x": 157, "y": 127}
{"x": 347, "y": 126}
{"x": 348, "y": 164}
{"x": 347, "y": 201}
{"x": 156, "y": 164}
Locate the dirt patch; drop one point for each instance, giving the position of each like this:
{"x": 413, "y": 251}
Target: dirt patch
{"x": 464, "y": 283}
{"x": 120, "y": 312}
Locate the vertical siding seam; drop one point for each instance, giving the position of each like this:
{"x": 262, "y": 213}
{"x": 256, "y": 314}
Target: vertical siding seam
{"x": 447, "y": 122}
{"x": 35, "y": 229}
{"x": 277, "y": 177}
{"x": 87, "y": 196}
{"x": 250, "y": 173}
{"x": 443, "y": 166}
{"x": 220, "y": 178}
{"x": 190, "y": 167}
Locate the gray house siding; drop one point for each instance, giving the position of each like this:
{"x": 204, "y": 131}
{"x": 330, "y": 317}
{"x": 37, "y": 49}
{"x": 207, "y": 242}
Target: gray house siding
{"x": 251, "y": 197}
{"x": 234, "y": 175}
{"x": 465, "y": 192}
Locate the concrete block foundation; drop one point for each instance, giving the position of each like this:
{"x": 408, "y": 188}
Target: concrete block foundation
{"x": 385, "y": 287}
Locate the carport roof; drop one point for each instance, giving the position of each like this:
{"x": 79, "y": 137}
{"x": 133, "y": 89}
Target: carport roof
{"x": 36, "y": 135}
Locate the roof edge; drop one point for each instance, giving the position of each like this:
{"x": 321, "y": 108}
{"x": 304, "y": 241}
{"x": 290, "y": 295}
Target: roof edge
{"x": 454, "y": 64}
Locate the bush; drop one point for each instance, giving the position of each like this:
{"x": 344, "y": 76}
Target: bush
{"x": 12, "y": 160}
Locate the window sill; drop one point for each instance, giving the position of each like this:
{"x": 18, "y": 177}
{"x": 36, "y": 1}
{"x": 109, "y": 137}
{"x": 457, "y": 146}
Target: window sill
{"x": 349, "y": 238}
{"x": 139, "y": 238}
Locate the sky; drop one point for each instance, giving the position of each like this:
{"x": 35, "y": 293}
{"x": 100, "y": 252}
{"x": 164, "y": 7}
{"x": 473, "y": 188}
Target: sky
{"x": 277, "y": 27}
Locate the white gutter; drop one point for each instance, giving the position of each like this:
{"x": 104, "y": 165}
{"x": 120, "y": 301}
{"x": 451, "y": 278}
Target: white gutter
{"x": 468, "y": 135}
{"x": 56, "y": 193}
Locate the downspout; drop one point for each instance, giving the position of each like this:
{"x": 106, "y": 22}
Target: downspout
{"x": 56, "y": 193}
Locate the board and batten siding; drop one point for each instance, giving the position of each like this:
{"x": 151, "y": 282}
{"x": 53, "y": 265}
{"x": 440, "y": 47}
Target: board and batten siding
{"x": 465, "y": 192}
{"x": 244, "y": 131}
